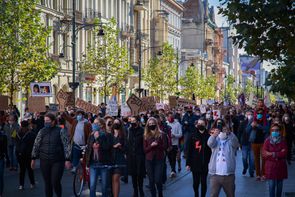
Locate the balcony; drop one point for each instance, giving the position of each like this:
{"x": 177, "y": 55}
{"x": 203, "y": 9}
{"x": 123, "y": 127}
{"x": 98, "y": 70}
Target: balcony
{"x": 91, "y": 15}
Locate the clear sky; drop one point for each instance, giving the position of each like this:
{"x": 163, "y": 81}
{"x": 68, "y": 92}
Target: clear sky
{"x": 220, "y": 21}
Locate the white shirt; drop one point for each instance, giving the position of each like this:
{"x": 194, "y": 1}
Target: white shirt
{"x": 221, "y": 163}
{"x": 79, "y": 133}
{"x": 176, "y": 131}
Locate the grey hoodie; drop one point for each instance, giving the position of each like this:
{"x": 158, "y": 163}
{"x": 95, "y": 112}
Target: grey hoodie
{"x": 231, "y": 146}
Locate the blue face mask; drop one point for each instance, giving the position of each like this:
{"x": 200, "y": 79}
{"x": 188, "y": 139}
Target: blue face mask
{"x": 259, "y": 116}
{"x": 95, "y": 127}
{"x": 79, "y": 117}
{"x": 275, "y": 134}
{"x": 47, "y": 124}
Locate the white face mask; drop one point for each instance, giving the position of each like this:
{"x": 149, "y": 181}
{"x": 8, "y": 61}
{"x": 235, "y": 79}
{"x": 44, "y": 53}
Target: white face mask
{"x": 249, "y": 117}
{"x": 208, "y": 116}
{"x": 222, "y": 135}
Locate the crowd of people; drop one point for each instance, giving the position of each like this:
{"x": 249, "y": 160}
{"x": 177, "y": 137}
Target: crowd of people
{"x": 143, "y": 145}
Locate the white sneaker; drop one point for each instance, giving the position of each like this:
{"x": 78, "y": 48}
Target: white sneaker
{"x": 172, "y": 175}
{"x": 73, "y": 170}
{"x": 21, "y": 187}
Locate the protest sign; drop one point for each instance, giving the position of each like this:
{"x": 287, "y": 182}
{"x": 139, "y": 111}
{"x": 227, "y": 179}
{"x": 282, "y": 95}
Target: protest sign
{"x": 185, "y": 102}
{"x": 112, "y": 108}
{"x": 3, "y": 102}
{"x": 87, "y": 107}
{"x": 36, "y": 104}
{"x": 267, "y": 100}
{"x": 216, "y": 114}
{"x": 134, "y": 104}
{"x": 41, "y": 89}
{"x": 148, "y": 103}
{"x": 203, "y": 109}
{"x": 125, "y": 111}
{"x": 173, "y": 101}
{"x": 160, "y": 106}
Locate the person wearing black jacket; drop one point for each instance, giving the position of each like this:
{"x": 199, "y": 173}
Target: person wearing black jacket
{"x": 99, "y": 158}
{"x": 24, "y": 145}
{"x": 3, "y": 154}
{"x": 136, "y": 156}
{"x": 52, "y": 147}
{"x": 198, "y": 157}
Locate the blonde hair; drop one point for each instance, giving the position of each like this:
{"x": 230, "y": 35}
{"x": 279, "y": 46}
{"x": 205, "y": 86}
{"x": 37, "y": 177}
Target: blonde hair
{"x": 148, "y": 133}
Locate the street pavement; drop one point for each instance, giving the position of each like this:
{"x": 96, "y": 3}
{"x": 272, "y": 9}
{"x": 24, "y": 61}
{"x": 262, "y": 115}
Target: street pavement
{"x": 181, "y": 186}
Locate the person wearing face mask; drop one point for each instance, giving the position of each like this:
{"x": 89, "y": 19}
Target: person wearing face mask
{"x": 24, "y": 144}
{"x": 52, "y": 147}
{"x": 222, "y": 165}
{"x": 176, "y": 134}
{"x": 109, "y": 123}
{"x": 275, "y": 155}
{"x": 136, "y": 156}
{"x": 119, "y": 154}
{"x": 3, "y": 155}
{"x": 80, "y": 130}
{"x": 247, "y": 153}
{"x": 154, "y": 148}
{"x": 209, "y": 120}
{"x": 188, "y": 126}
{"x": 258, "y": 134}
{"x": 198, "y": 157}
{"x": 289, "y": 131}
{"x": 11, "y": 129}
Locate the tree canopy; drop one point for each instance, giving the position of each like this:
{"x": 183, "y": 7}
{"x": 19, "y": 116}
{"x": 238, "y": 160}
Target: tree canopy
{"x": 266, "y": 29}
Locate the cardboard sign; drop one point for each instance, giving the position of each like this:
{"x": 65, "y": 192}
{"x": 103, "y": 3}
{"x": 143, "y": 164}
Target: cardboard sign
{"x": 41, "y": 89}
{"x": 3, "y": 103}
{"x": 185, "y": 102}
{"x": 134, "y": 103}
{"x": 172, "y": 101}
{"x": 112, "y": 108}
{"x": 62, "y": 98}
{"x": 87, "y": 107}
{"x": 216, "y": 114}
{"x": 36, "y": 104}
{"x": 148, "y": 103}
{"x": 160, "y": 106}
{"x": 125, "y": 111}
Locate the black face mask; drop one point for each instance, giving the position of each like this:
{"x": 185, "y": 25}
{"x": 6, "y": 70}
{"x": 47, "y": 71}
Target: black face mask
{"x": 219, "y": 126}
{"x": 201, "y": 127}
{"x": 116, "y": 126}
{"x": 133, "y": 125}
{"x": 152, "y": 127}
{"x": 110, "y": 124}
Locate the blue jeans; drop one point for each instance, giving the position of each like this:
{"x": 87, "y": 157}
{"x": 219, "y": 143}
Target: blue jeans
{"x": 275, "y": 188}
{"x": 1, "y": 176}
{"x": 104, "y": 172}
{"x": 12, "y": 156}
{"x": 76, "y": 155}
{"x": 248, "y": 159}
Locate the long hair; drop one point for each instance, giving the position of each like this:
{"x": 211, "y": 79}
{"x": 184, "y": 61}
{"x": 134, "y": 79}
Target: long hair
{"x": 121, "y": 133}
{"x": 148, "y": 133}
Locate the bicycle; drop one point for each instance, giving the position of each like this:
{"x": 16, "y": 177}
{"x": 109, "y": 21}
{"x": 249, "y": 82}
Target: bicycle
{"x": 81, "y": 176}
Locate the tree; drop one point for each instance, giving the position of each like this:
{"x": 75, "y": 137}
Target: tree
{"x": 249, "y": 87}
{"x": 160, "y": 74}
{"x": 107, "y": 59}
{"x": 23, "y": 48}
{"x": 230, "y": 92}
{"x": 190, "y": 82}
{"x": 208, "y": 87}
{"x": 266, "y": 29}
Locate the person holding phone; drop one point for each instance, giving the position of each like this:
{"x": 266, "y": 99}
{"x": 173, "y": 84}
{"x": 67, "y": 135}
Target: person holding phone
{"x": 154, "y": 148}
{"x": 224, "y": 145}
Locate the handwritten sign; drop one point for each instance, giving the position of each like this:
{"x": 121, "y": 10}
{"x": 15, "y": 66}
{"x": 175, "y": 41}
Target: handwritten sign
{"x": 203, "y": 109}
{"x": 36, "y": 104}
{"x": 134, "y": 103}
{"x": 125, "y": 111}
{"x": 216, "y": 114}
{"x": 185, "y": 102}
{"x": 160, "y": 106}
{"x": 112, "y": 108}
{"x": 173, "y": 101}
{"x": 148, "y": 103}
{"x": 3, "y": 103}
{"x": 87, "y": 107}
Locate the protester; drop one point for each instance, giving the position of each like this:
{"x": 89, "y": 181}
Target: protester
{"x": 176, "y": 134}
{"x": 198, "y": 157}
{"x": 222, "y": 164}
{"x": 24, "y": 144}
{"x": 247, "y": 153}
{"x": 52, "y": 147}
{"x": 136, "y": 156}
{"x": 154, "y": 148}
{"x": 119, "y": 155}
{"x": 3, "y": 154}
{"x": 99, "y": 159}
{"x": 109, "y": 123}
{"x": 11, "y": 129}
{"x": 275, "y": 155}
{"x": 289, "y": 130}
{"x": 259, "y": 132}
{"x": 80, "y": 130}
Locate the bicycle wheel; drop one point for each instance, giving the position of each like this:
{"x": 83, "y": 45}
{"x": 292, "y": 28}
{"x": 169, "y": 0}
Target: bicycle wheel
{"x": 78, "y": 182}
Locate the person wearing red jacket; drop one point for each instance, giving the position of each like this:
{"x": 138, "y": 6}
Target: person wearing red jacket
{"x": 260, "y": 106}
{"x": 275, "y": 155}
{"x": 154, "y": 148}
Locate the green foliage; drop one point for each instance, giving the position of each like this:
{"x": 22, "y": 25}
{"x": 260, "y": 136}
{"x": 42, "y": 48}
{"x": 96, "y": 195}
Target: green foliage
{"x": 249, "y": 88}
{"x": 107, "y": 59}
{"x": 230, "y": 93}
{"x": 23, "y": 49}
{"x": 190, "y": 82}
{"x": 266, "y": 29}
{"x": 160, "y": 74}
{"x": 208, "y": 87}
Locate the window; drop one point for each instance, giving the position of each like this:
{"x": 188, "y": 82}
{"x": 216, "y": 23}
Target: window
{"x": 55, "y": 43}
